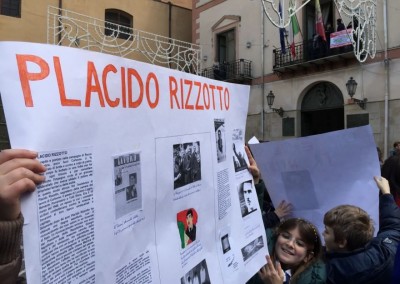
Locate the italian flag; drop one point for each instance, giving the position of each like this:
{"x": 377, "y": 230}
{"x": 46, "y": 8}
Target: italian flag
{"x": 319, "y": 24}
{"x": 294, "y": 30}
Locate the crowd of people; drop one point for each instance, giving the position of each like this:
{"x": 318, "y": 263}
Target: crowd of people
{"x": 320, "y": 47}
{"x": 296, "y": 255}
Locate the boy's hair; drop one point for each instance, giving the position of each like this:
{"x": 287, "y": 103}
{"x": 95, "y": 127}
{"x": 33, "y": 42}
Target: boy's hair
{"x": 350, "y": 223}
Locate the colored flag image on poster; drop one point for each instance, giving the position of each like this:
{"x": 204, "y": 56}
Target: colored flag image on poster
{"x": 187, "y": 221}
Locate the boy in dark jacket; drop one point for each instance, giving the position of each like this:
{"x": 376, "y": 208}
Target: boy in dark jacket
{"x": 352, "y": 254}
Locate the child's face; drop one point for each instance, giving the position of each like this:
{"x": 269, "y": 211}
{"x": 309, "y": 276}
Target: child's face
{"x": 290, "y": 249}
{"x": 329, "y": 237}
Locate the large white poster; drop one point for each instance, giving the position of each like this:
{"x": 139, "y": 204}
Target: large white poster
{"x": 319, "y": 172}
{"x": 146, "y": 172}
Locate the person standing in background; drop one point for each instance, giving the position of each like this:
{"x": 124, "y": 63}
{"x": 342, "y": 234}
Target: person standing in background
{"x": 340, "y": 25}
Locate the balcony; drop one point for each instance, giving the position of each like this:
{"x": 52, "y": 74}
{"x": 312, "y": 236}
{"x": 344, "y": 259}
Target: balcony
{"x": 311, "y": 57}
{"x": 238, "y": 71}
{"x": 65, "y": 27}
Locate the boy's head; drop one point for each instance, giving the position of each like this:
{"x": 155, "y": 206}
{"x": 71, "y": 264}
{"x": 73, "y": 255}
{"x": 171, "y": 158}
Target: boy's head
{"x": 347, "y": 228}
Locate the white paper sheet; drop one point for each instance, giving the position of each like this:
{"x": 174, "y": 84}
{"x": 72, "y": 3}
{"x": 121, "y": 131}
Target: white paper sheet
{"x": 157, "y": 201}
{"x": 317, "y": 173}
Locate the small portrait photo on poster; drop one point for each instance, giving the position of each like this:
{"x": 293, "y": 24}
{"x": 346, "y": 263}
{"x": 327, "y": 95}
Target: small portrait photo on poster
{"x": 239, "y": 160}
{"x": 219, "y": 125}
{"x": 225, "y": 244}
{"x": 131, "y": 191}
{"x": 247, "y": 198}
{"x": 118, "y": 177}
{"x": 187, "y": 163}
{"x": 186, "y": 221}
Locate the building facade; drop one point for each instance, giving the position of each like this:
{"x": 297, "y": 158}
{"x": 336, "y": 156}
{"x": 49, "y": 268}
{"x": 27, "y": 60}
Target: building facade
{"x": 22, "y": 20}
{"x": 85, "y": 23}
{"x": 310, "y": 89}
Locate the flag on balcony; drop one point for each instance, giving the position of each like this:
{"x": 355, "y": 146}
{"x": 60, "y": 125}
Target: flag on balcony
{"x": 282, "y": 32}
{"x": 294, "y": 30}
{"x": 319, "y": 24}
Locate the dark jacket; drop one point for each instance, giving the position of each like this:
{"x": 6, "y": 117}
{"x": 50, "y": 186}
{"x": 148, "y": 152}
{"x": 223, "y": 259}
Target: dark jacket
{"x": 391, "y": 171}
{"x": 374, "y": 262}
{"x": 10, "y": 251}
{"x": 270, "y": 219}
{"x": 396, "y": 268}
{"x": 314, "y": 274}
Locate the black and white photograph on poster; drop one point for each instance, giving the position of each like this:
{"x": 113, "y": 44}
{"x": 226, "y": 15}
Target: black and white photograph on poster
{"x": 219, "y": 125}
{"x": 187, "y": 163}
{"x": 225, "y": 244}
{"x": 127, "y": 181}
{"x": 252, "y": 247}
{"x": 197, "y": 275}
{"x": 247, "y": 198}
{"x": 131, "y": 191}
{"x": 228, "y": 260}
{"x": 239, "y": 160}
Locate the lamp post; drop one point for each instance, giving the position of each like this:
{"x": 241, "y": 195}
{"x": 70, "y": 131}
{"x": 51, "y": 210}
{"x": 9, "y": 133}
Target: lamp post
{"x": 351, "y": 86}
{"x": 270, "y": 102}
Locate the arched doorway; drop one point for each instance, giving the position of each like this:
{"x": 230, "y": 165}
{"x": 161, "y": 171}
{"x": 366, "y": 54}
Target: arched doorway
{"x": 322, "y": 109}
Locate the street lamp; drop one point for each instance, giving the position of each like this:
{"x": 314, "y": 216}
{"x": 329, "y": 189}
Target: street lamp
{"x": 351, "y": 86}
{"x": 270, "y": 102}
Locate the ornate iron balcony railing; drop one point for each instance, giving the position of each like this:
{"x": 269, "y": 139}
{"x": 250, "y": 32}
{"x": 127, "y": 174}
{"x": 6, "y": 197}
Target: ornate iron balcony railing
{"x": 68, "y": 28}
{"x": 305, "y": 52}
{"x": 238, "y": 70}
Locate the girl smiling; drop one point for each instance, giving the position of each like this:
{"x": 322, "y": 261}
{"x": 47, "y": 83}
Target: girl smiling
{"x": 295, "y": 250}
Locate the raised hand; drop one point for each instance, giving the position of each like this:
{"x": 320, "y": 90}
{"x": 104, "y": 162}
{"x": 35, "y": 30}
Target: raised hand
{"x": 20, "y": 172}
{"x": 382, "y": 184}
{"x": 253, "y": 168}
{"x": 284, "y": 209}
{"x": 270, "y": 273}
